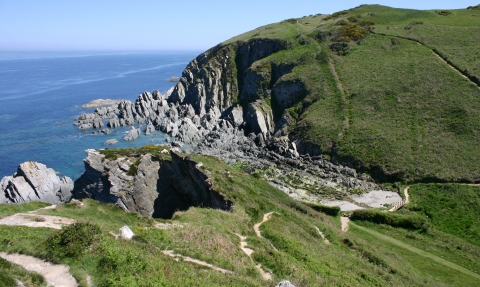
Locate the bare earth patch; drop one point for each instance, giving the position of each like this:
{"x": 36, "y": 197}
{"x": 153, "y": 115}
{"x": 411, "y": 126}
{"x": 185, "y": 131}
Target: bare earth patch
{"x": 55, "y": 275}
{"x": 33, "y": 220}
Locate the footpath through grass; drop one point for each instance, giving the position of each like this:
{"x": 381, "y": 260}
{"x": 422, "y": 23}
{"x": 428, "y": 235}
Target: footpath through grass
{"x": 418, "y": 251}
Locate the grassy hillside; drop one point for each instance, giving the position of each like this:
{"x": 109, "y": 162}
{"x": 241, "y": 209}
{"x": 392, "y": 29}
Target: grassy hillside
{"x": 392, "y": 91}
{"x": 290, "y": 248}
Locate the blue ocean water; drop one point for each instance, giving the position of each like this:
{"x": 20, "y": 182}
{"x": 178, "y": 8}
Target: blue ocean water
{"x": 41, "y": 94}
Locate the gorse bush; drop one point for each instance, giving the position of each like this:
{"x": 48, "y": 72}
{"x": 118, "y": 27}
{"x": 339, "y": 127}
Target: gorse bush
{"x": 72, "y": 241}
{"x": 444, "y": 13}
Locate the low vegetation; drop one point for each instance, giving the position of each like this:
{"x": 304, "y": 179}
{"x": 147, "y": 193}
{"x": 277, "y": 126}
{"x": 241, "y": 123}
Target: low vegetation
{"x": 396, "y": 220}
{"x": 422, "y": 126}
{"x": 290, "y": 248}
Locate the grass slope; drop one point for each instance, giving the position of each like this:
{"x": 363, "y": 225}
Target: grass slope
{"x": 392, "y": 105}
{"x": 209, "y": 235}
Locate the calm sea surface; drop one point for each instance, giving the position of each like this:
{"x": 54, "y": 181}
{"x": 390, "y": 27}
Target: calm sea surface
{"x": 41, "y": 94}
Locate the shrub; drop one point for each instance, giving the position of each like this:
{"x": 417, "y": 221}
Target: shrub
{"x": 477, "y": 7}
{"x": 354, "y": 19}
{"x": 336, "y": 15}
{"x": 72, "y": 241}
{"x": 444, "y": 13}
{"x": 341, "y": 48}
{"x": 392, "y": 219}
{"x": 133, "y": 168}
{"x": 413, "y": 24}
{"x": 329, "y": 210}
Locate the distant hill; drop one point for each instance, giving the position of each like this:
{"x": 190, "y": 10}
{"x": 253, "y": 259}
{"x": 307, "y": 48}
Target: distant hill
{"x": 391, "y": 91}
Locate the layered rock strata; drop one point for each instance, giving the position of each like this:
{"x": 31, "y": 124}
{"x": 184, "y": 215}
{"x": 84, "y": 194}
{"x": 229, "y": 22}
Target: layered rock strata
{"x": 232, "y": 102}
{"x": 147, "y": 185}
{"x": 33, "y": 181}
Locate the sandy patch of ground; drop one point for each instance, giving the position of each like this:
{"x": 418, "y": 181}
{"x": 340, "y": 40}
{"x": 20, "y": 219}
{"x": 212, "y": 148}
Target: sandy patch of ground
{"x": 344, "y": 205}
{"x": 377, "y": 198}
{"x": 32, "y": 220}
{"x": 55, "y": 275}
{"x": 345, "y": 221}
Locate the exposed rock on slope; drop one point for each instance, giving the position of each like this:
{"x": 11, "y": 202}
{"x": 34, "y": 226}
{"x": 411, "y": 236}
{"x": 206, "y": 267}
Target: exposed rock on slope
{"x": 33, "y": 181}
{"x": 149, "y": 186}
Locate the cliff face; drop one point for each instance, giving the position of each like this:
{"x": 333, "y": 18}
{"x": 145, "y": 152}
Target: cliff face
{"x": 157, "y": 188}
{"x": 221, "y": 76}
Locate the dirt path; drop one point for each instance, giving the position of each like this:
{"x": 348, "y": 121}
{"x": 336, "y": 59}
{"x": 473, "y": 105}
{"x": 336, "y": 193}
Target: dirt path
{"x": 172, "y": 254}
{"x": 407, "y": 196}
{"x": 436, "y": 54}
{"x": 321, "y": 235}
{"x": 418, "y": 251}
{"x": 55, "y": 275}
{"x": 31, "y": 219}
{"x": 256, "y": 227}
{"x": 345, "y": 220}
{"x": 243, "y": 246}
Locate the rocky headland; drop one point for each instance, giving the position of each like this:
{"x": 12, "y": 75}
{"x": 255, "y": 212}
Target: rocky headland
{"x": 150, "y": 185}
{"x": 242, "y": 119}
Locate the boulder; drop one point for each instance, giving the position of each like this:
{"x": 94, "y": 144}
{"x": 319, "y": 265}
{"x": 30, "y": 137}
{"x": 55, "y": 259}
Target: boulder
{"x": 35, "y": 182}
{"x": 126, "y": 233}
{"x": 110, "y": 142}
{"x": 260, "y": 118}
{"x": 132, "y": 134}
{"x": 235, "y": 116}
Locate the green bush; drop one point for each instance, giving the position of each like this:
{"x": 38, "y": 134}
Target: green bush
{"x": 392, "y": 219}
{"x": 341, "y": 48}
{"x": 72, "y": 241}
{"x": 329, "y": 210}
{"x": 413, "y": 24}
{"x": 444, "y": 13}
{"x": 477, "y": 7}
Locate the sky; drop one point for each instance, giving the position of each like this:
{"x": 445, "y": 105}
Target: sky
{"x": 147, "y": 25}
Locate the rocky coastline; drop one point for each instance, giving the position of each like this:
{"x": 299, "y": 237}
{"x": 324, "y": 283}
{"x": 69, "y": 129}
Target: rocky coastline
{"x": 233, "y": 118}
{"x": 211, "y": 112}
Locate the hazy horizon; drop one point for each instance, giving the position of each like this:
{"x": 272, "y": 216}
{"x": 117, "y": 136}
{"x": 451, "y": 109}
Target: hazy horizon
{"x": 143, "y": 26}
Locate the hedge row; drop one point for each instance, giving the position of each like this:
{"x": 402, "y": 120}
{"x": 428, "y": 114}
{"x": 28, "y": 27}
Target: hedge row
{"x": 329, "y": 210}
{"x": 392, "y": 219}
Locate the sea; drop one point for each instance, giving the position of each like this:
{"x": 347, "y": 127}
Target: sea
{"x": 41, "y": 94}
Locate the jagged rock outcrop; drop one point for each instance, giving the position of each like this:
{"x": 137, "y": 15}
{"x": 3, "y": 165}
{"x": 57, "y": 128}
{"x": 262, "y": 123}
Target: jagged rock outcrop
{"x": 33, "y": 181}
{"x": 132, "y": 134}
{"x": 149, "y": 186}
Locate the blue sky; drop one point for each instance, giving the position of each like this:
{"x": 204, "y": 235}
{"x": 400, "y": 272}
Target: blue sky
{"x": 64, "y": 25}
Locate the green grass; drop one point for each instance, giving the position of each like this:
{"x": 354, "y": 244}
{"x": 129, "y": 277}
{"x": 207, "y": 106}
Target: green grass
{"x": 396, "y": 110}
{"x": 10, "y": 209}
{"x": 209, "y": 235}
{"x": 422, "y": 261}
{"x": 451, "y": 208}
